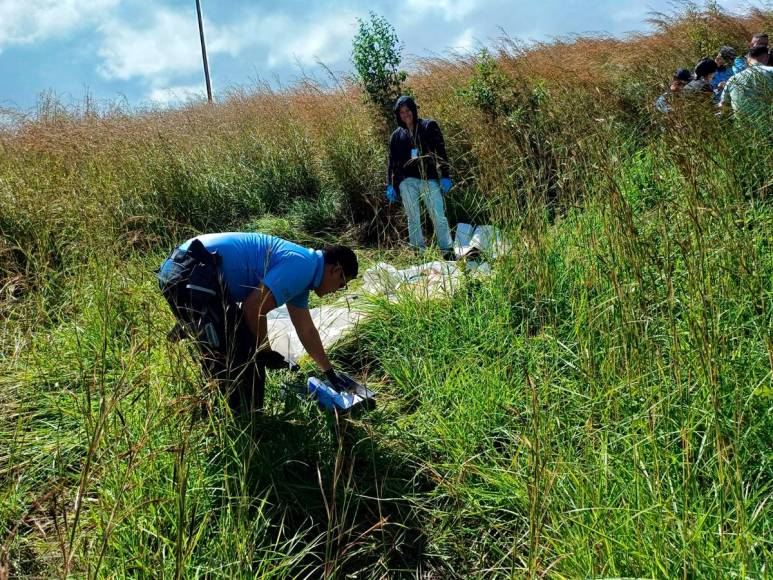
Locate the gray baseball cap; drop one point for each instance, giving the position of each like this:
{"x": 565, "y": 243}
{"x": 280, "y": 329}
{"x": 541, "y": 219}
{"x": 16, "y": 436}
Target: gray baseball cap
{"x": 727, "y": 53}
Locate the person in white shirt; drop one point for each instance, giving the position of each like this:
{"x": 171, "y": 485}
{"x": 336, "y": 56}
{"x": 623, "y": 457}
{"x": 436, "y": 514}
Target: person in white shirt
{"x": 750, "y": 92}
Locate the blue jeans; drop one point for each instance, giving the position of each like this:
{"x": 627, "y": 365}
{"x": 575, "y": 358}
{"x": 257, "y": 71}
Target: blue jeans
{"x": 428, "y": 190}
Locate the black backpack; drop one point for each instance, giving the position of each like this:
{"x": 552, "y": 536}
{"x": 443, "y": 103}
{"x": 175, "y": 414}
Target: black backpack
{"x": 197, "y": 295}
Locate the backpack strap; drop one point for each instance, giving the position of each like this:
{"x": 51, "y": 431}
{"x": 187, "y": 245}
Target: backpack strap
{"x": 200, "y": 253}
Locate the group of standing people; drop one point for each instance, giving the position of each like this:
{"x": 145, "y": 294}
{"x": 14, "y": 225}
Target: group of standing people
{"x": 741, "y": 83}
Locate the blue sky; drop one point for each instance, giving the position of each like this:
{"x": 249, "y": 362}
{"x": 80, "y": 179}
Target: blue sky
{"x": 147, "y": 51}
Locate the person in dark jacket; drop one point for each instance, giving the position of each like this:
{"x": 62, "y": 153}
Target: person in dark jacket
{"x": 418, "y": 169}
{"x": 704, "y": 72}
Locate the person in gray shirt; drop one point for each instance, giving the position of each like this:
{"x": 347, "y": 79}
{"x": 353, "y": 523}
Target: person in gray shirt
{"x": 750, "y": 92}
{"x": 701, "y": 84}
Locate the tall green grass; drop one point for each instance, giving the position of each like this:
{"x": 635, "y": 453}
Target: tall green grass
{"x": 598, "y": 407}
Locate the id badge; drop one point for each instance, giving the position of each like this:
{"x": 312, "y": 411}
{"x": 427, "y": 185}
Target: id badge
{"x": 414, "y": 153}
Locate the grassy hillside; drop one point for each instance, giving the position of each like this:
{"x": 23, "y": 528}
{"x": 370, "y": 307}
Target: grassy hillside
{"x": 599, "y": 407}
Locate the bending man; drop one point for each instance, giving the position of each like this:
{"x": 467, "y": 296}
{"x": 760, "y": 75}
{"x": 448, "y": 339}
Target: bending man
{"x": 221, "y": 287}
{"x": 418, "y": 169}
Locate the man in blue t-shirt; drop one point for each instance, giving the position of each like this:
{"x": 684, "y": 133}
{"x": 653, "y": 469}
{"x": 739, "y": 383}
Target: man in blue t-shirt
{"x": 724, "y": 59}
{"x": 221, "y": 286}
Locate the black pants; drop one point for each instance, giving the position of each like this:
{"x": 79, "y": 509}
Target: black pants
{"x": 205, "y": 312}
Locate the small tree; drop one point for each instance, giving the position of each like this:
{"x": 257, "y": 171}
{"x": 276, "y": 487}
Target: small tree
{"x": 376, "y": 54}
{"x": 490, "y": 89}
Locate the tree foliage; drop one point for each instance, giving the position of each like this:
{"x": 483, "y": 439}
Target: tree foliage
{"x": 376, "y": 55}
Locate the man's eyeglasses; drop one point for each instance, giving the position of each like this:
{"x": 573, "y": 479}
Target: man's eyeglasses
{"x": 343, "y": 282}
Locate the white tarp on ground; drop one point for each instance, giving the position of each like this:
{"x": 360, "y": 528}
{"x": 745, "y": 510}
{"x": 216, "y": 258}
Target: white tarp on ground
{"x": 429, "y": 280}
{"x": 332, "y": 322}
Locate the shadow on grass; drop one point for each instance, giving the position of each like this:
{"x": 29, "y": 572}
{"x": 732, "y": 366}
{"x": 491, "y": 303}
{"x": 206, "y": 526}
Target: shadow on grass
{"x": 340, "y": 481}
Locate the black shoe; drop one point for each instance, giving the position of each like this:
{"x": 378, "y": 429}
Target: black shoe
{"x": 177, "y": 333}
{"x": 472, "y": 254}
{"x": 449, "y": 255}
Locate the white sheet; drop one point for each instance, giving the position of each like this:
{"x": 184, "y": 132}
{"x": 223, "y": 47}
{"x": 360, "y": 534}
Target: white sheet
{"x": 429, "y": 280}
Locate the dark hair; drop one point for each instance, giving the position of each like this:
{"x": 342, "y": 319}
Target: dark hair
{"x": 758, "y": 51}
{"x": 705, "y": 67}
{"x": 682, "y": 74}
{"x": 727, "y": 53}
{"x": 405, "y": 101}
{"x": 344, "y": 257}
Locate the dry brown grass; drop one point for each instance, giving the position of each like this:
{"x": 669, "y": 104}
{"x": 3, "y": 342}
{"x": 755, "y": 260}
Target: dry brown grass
{"x": 587, "y": 62}
{"x": 70, "y": 173}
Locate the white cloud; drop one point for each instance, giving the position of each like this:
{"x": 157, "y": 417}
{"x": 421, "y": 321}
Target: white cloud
{"x": 26, "y": 21}
{"x": 630, "y": 13}
{"x": 327, "y": 39}
{"x": 449, "y": 10}
{"x": 177, "y": 94}
{"x": 465, "y": 42}
{"x": 168, "y": 47}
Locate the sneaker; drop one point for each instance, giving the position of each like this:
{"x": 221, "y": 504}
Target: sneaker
{"x": 177, "y": 333}
{"x": 449, "y": 255}
{"x": 472, "y": 254}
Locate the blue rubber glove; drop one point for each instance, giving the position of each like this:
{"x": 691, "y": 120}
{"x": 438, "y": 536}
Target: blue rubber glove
{"x": 445, "y": 184}
{"x": 391, "y": 195}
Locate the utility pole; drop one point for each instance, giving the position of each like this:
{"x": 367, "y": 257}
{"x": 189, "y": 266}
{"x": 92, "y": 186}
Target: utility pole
{"x": 204, "y": 51}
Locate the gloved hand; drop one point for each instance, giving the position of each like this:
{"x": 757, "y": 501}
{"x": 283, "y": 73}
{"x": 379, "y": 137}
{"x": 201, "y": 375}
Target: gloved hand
{"x": 338, "y": 383}
{"x": 391, "y": 194}
{"x": 271, "y": 359}
{"x": 445, "y": 184}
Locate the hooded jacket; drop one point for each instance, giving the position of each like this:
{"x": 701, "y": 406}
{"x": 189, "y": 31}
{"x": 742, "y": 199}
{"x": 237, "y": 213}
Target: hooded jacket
{"x": 430, "y": 161}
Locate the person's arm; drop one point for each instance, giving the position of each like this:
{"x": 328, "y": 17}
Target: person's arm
{"x": 661, "y": 105}
{"x": 439, "y": 149}
{"x": 724, "y": 100}
{"x": 391, "y": 161}
{"x": 309, "y": 336}
{"x": 255, "y": 307}
{"x": 397, "y": 157}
